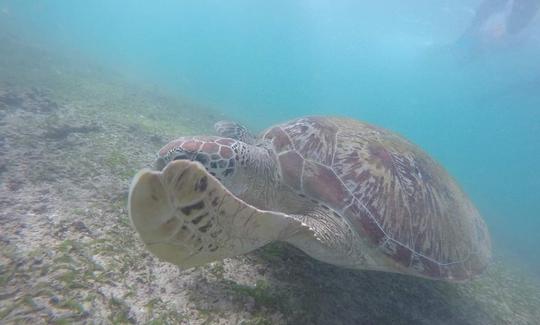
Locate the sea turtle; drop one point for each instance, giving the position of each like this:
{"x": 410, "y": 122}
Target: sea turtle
{"x": 343, "y": 191}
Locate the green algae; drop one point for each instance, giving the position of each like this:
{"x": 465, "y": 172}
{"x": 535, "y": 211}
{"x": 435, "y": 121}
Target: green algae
{"x": 116, "y": 159}
{"x": 119, "y": 311}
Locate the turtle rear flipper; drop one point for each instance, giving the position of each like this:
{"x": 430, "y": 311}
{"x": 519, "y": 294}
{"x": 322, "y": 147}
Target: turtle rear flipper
{"x": 234, "y": 130}
{"x": 187, "y": 217}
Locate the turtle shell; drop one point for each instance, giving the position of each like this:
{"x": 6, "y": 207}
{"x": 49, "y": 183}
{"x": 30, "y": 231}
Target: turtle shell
{"x": 391, "y": 192}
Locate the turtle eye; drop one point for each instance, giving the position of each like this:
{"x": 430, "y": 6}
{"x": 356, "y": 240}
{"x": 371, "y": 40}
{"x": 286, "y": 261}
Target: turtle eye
{"x": 181, "y": 155}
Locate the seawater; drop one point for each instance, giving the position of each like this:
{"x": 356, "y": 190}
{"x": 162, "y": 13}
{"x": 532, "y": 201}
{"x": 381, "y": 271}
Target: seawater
{"x": 395, "y": 64}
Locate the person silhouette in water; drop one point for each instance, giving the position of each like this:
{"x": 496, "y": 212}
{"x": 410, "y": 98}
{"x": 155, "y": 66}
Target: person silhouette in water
{"x": 496, "y": 23}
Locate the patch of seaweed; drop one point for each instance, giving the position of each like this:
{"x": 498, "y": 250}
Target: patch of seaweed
{"x": 11, "y": 100}
{"x": 62, "y": 132}
{"x": 33, "y": 100}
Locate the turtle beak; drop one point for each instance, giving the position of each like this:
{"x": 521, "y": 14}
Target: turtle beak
{"x": 159, "y": 164}
{"x": 179, "y": 154}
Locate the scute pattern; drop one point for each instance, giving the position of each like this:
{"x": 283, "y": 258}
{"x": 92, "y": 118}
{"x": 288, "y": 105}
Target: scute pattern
{"x": 390, "y": 191}
{"x": 292, "y": 165}
{"x": 313, "y": 138}
{"x": 321, "y": 183}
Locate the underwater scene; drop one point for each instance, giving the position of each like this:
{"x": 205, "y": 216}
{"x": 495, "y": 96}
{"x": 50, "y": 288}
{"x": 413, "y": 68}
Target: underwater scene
{"x": 269, "y": 162}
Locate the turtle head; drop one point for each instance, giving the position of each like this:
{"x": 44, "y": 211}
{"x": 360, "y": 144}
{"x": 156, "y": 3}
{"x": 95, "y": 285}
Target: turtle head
{"x": 218, "y": 155}
{"x": 239, "y": 166}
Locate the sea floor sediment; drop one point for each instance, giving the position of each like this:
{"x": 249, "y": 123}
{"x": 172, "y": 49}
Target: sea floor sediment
{"x": 73, "y": 135}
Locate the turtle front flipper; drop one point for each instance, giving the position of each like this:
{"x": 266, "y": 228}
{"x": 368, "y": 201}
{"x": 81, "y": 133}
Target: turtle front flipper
{"x": 234, "y": 130}
{"x": 185, "y": 216}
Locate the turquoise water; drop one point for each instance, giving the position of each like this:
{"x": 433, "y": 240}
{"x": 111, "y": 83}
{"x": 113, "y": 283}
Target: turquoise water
{"x": 392, "y": 64}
